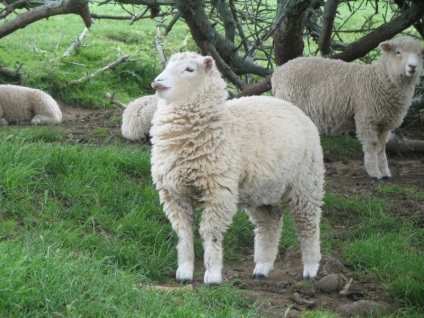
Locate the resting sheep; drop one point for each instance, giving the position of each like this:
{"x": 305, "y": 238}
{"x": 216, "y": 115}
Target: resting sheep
{"x": 137, "y": 117}
{"x": 340, "y": 96}
{"x": 20, "y": 104}
{"x": 252, "y": 152}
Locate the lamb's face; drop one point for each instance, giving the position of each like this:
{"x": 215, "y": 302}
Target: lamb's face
{"x": 183, "y": 77}
{"x": 404, "y": 55}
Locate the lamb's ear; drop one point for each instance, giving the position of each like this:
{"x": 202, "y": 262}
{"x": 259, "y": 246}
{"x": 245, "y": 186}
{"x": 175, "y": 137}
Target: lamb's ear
{"x": 385, "y": 46}
{"x": 208, "y": 62}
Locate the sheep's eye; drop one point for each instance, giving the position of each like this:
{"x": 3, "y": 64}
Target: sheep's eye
{"x": 398, "y": 52}
{"x": 189, "y": 69}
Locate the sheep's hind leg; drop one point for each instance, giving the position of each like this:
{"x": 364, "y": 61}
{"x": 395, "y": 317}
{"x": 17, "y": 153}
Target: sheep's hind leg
{"x": 382, "y": 158}
{"x": 42, "y": 119}
{"x": 181, "y": 216}
{"x": 215, "y": 221}
{"x": 268, "y": 221}
{"x": 3, "y": 122}
{"x": 306, "y": 215}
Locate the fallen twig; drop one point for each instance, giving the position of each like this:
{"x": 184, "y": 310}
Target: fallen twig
{"x": 113, "y": 100}
{"x": 75, "y": 44}
{"x": 103, "y": 69}
{"x": 346, "y": 287}
{"x": 185, "y": 288}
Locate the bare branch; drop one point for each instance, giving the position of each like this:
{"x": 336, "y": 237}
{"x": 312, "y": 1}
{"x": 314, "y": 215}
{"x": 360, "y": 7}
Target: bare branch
{"x": 99, "y": 71}
{"x": 75, "y": 44}
{"x": 51, "y": 8}
{"x": 113, "y": 100}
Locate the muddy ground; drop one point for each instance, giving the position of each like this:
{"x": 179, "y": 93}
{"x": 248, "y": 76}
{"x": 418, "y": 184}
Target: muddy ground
{"x": 285, "y": 287}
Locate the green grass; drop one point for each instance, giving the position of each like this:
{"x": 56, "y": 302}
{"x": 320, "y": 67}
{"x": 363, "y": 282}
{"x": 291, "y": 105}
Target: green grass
{"x": 82, "y": 232}
{"x": 382, "y": 245}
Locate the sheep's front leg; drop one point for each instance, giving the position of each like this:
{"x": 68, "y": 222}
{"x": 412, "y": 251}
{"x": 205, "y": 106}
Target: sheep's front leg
{"x": 215, "y": 221}
{"x": 382, "y": 158}
{"x": 370, "y": 145}
{"x": 268, "y": 221}
{"x": 181, "y": 215}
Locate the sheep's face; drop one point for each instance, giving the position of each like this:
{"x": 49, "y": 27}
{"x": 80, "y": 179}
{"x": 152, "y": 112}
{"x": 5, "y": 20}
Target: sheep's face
{"x": 183, "y": 77}
{"x": 405, "y": 56}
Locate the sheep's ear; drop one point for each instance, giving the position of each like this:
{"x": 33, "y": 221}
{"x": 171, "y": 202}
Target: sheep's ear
{"x": 208, "y": 62}
{"x": 385, "y": 46}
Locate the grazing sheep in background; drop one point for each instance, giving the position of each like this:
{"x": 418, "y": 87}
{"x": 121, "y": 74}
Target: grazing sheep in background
{"x": 340, "y": 96}
{"x": 20, "y": 104}
{"x": 137, "y": 116}
{"x": 252, "y": 152}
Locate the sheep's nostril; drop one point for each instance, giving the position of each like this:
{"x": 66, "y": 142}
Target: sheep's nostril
{"x": 412, "y": 66}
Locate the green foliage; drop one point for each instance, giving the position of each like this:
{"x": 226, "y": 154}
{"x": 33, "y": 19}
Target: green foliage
{"x": 341, "y": 145}
{"x": 82, "y": 232}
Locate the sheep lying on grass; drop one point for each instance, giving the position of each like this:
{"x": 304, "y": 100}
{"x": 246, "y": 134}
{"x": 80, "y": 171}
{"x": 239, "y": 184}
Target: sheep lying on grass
{"x": 20, "y": 104}
{"x": 136, "y": 119}
{"x": 340, "y": 97}
{"x": 253, "y": 152}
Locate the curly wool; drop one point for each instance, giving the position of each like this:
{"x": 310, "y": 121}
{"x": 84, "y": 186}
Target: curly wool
{"x": 253, "y": 152}
{"x": 341, "y": 97}
{"x": 20, "y": 104}
{"x": 137, "y": 117}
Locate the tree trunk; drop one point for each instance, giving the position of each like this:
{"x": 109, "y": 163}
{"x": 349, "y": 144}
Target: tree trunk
{"x": 328, "y": 16}
{"x": 288, "y": 38}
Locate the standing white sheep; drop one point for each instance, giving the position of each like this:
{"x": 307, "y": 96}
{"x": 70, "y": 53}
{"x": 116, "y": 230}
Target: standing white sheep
{"x": 137, "y": 117}
{"x": 340, "y": 96}
{"x": 254, "y": 152}
{"x": 20, "y": 104}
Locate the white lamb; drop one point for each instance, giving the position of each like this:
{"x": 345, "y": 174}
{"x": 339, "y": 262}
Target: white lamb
{"x": 137, "y": 117}
{"x": 254, "y": 152}
{"x": 20, "y": 104}
{"x": 340, "y": 96}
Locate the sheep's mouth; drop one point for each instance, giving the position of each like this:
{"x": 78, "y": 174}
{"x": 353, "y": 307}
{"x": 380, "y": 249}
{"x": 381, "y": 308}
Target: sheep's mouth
{"x": 159, "y": 87}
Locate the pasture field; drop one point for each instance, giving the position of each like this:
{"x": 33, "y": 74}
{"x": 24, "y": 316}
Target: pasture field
{"x": 82, "y": 233}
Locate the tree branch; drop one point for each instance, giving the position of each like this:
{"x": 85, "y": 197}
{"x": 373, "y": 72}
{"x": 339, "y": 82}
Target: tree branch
{"x": 103, "y": 69}
{"x": 386, "y": 31}
{"x": 51, "y": 8}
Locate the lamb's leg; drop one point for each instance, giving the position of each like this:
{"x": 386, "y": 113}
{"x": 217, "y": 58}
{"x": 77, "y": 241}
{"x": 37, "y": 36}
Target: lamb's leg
{"x": 43, "y": 119}
{"x": 382, "y": 159}
{"x": 181, "y": 216}
{"x": 370, "y": 145}
{"x": 216, "y": 219}
{"x": 268, "y": 221}
{"x": 306, "y": 215}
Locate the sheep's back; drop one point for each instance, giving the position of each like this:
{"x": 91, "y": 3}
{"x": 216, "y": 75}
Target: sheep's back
{"x": 136, "y": 118}
{"x": 322, "y": 88}
{"x": 278, "y": 145}
{"x": 15, "y": 102}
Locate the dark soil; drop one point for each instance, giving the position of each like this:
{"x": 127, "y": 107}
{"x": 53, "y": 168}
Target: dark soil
{"x": 285, "y": 288}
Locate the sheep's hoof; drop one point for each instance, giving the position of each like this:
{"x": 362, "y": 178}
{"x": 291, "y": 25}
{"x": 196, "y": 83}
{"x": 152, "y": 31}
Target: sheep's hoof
{"x": 387, "y": 177}
{"x": 212, "y": 285}
{"x": 259, "y": 276}
{"x": 184, "y": 281}
{"x": 376, "y": 178}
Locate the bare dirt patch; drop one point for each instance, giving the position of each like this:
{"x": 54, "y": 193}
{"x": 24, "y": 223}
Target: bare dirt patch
{"x": 285, "y": 288}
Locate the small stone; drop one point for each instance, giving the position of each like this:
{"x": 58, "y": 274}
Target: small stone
{"x": 331, "y": 265}
{"x": 307, "y": 288}
{"x": 364, "y": 308}
{"x": 331, "y": 283}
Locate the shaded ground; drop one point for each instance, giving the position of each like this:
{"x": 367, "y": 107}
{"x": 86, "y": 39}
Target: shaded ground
{"x": 285, "y": 287}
